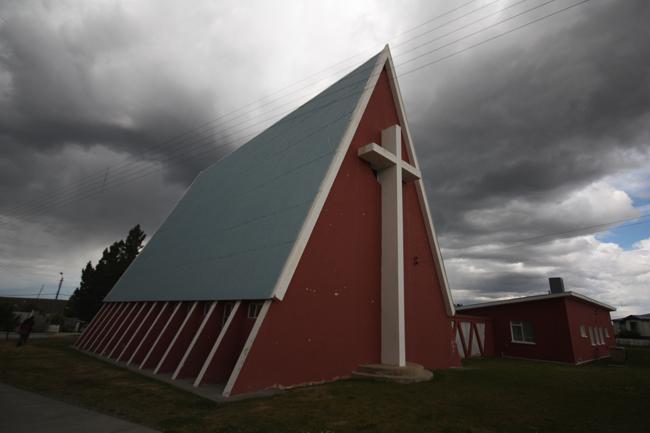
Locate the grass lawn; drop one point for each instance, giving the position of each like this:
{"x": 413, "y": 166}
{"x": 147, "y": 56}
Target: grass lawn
{"x": 491, "y": 395}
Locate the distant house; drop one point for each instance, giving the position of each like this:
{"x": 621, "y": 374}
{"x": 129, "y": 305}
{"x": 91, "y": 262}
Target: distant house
{"x": 634, "y": 324}
{"x": 560, "y": 326}
{"x": 45, "y": 306}
{"x": 43, "y": 310}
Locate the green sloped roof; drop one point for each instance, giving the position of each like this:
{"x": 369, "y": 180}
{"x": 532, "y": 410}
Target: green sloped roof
{"x": 232, "y": 232}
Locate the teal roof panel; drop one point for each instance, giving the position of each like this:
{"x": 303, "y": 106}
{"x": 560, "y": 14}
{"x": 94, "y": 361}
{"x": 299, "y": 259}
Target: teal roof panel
{"x": 230, "y": 235}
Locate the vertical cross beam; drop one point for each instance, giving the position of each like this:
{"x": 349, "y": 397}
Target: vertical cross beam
{"x": 392, "y": 172}
{"x": 393, "y": 350}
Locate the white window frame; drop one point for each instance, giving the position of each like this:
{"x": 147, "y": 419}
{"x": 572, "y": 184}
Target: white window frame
{"x": 583, "y": 331}
{"x": 606, "y": 332}
{"x": 601, "y": 335}
{"x": 520, "y": 323}
{"x": 254, "y": 309}
{"x": 592, "y": 338}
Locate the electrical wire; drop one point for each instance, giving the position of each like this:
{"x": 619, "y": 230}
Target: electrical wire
{"x": 187, "y": 155}
{"x": 188, "y": 133}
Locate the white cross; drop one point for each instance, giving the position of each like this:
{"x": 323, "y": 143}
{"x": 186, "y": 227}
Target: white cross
{"x": 392, "y": 172}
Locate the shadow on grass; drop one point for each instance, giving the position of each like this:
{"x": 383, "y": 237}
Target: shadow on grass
{"x": 490, "y": 395}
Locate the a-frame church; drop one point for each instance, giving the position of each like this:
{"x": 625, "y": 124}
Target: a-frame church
{"x": 303, "y": 255}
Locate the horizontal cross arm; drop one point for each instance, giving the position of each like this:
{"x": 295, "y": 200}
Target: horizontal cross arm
{"x": 378, "y": 157}
{"x": 410, "y": 173}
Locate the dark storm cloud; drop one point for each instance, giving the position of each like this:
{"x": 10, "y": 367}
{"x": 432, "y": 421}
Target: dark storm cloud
{"x": 65, "y": 89}
{"x": 534, "y": 121}
{"x": 514, "y": 137}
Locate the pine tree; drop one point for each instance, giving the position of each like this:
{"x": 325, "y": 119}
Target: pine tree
{"x": 97, "y": 281}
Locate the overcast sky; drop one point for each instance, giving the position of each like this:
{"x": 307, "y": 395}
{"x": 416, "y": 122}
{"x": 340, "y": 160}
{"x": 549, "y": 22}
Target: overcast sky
{"x": 529, "y": 142}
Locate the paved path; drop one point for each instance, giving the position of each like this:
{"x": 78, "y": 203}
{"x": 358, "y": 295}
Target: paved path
{"x": 26, "y": 412}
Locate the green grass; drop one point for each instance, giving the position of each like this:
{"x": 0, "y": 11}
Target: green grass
{"x": 491, "y": 395}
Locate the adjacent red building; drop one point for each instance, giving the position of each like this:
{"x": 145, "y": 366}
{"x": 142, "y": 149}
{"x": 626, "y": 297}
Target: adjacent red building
{"x": 562, "y": 327}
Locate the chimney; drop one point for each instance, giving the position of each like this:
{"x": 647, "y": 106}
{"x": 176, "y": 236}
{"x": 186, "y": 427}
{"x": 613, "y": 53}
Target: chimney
{"x": 557, "y": 284}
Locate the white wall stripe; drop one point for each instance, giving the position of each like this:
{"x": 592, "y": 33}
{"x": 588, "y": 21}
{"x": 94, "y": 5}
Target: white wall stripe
{"x": 419, "y": 186}
{"x": 114, "y": 319}
{"x": 215, "y": 346}
{"x": 326, "y": 185}
{"x": 92, "y": 326}
{"x": 140, "y": 325}
{"x": 459, "y": 344}
{"x": 194, "y": 340}
{"x": 178, "y": 332}
{"x": 138, "y": 311}
{"x": 146, "y": 335}
{"x": 247, "y": 347}
{"x": 120, "y": 325}
{"x": 162, "y": 331}
{"x": 100, "y": 327}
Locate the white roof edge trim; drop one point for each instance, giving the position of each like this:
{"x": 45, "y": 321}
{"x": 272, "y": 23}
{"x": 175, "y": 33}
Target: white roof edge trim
{"x": 536, "y": 298}
{"x": 422, "y": 197}
{"x": 308, "y": 225}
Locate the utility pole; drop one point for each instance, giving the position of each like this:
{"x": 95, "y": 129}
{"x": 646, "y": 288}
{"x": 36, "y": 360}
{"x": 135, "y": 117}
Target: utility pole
{"x": 40, "y": 291}
{"x": 59, "y": 289}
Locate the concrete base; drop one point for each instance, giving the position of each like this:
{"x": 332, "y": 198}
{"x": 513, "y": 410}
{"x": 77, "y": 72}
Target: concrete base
{"x": 411, "y": 373}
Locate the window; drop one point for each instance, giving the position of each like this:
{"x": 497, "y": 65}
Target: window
{"x": 601, "y": 336}
{"x": 227, "y": 310}
{"x": 254, "y": 309}
{"x": 583, "y": 331}
{"x": 592, "y": 339}
{"x": 522, "y": 332}
{"x": 606, "y": 332}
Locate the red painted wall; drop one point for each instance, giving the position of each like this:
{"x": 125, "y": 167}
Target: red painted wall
{"x": 429, "y": 339}
{"x": 154, "y": 330}
{"x": 587, "y": 314}
{"x": 166, "y": 336}
{"x": 184, "y": 338}
{"x": 101, "y": 327}
{"x": 230, "y": 347}
{"x": 552, "y": 338}
{"x": 132, "y": 326}
{"x": 329, "y": 320}
{"x": 140, "y": 333}
{"x": 203, "y": 344}
{"x": 109, "y": 328}
{"x": 121, "y": 327}
{"x": 92, "y": 326}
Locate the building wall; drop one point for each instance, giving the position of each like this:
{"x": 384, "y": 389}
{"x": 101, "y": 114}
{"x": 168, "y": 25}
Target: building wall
{"x": 550, "y": 324}
{"x": 473, "y": 335}
{"x": 329, "y": 320}
{"x": 642, "y": 326}
{"x": 590, "y": 316}
{"x": 429, "y": 339}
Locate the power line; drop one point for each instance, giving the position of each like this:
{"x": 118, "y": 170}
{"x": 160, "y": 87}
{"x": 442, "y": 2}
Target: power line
{"x": 254, "y": 103}
{"x": 496, "y": 36}
{"x": 187, "y": 134}
{"x": 186, "y": 155}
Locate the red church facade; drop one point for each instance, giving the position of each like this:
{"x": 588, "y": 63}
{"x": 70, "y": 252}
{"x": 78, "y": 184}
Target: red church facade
{"x": 327, "y": 320}
{"x": 560, "y": 327}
